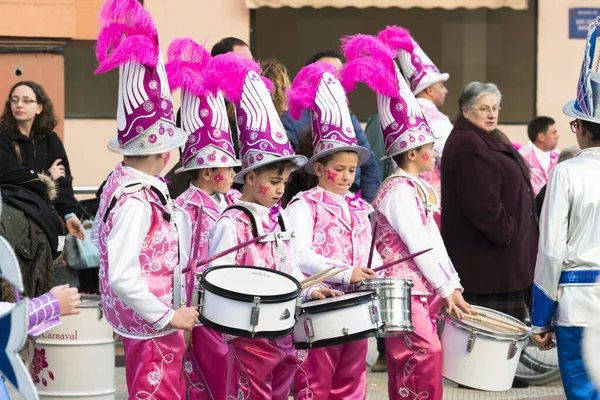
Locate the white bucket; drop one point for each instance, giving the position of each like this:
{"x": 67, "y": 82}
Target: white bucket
{"x": 76, "y": 359}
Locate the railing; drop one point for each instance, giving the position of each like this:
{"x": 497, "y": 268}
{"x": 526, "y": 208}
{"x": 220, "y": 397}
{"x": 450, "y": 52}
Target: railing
{"x": 85, "y": 189}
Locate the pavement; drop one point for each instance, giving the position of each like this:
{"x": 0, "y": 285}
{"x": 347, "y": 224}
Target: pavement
{"x": 377, "y": 387}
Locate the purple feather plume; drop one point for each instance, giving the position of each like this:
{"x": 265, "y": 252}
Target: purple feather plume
{"x": 227, "y": 72}
{"x": 397, "y": 38}
{"x": 127, "y": 33}
{"x": 186, "y": 60}
{"x": 378, "y": 76}
{"x": 304, "y": 88}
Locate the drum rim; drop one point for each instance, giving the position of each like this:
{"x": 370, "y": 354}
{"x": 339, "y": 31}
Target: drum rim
{"x": 368, "y": 295}
{"x": 244, "y": 333}
{"x": 249, "y": 298}
{"x": 482, "y": 331}
{"x": 381, "y": 281}
{"x": 336, "y": 341}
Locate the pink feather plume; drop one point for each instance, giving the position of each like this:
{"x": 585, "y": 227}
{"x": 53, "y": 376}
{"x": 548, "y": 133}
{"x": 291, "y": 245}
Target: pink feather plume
{"x": 127, "y": 33}
{"x": 397, "y": 38}
{"x": 227, "y": 72}
{"x": 360, "y": 45}
{"x": 303, "y": 92}
{"x": 374, "y": 73}
{"x": 186, "y": 60}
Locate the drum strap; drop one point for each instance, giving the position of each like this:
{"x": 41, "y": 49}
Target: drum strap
{"x": 258, "y": 229}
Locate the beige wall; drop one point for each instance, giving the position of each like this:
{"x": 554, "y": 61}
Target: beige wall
{"x": 559, "y": 62}
{"x": 204, "y": 21}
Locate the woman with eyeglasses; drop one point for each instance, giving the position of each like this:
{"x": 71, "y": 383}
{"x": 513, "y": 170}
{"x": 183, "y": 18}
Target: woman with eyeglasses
{"x": 27, "y": 138}
{"x": 488, "y": 223}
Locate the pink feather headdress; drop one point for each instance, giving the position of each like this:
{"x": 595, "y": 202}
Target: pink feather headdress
{"x": 227, "y": 72}
{"x": 369, "y": 61}
{"x": 186, "y": 60}
{"x": 303, "y": 91}
{"x": 127, "y": 33}
{"x": 397, "y": 38}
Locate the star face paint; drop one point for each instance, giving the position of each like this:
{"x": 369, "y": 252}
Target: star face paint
{"x": 218, "y": 178}
{"x": 425, "y": 157}
{"x": 263, "y": 190}
{"x": 331, "y": 175}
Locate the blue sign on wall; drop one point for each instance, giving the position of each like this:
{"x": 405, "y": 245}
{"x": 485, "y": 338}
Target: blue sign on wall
{"x": 579, "y": 21}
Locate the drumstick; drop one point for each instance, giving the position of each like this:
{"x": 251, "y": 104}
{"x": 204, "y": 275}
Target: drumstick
{"x": 409, "y": 257}
{"x": 372, "y": 248}
{"x": 495, "y": 318}
{"x": 334, "y": 273}
{"x": 496, "y": 324}
{"x": 315, "y": 276}
{"x": 225, "y": 252}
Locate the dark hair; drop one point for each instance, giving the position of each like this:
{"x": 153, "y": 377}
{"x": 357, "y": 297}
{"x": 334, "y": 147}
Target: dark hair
{"x": 43, "y": 123}
{"x": 279, "y": 166}
{"x": 323, "y": 54}
{"x": 226, "y": 45}
{"x": 195, "y": 173}
{"x": 592, "y": 128}
{"x": 538, "y": 125}
{"x": 401, "y": 159}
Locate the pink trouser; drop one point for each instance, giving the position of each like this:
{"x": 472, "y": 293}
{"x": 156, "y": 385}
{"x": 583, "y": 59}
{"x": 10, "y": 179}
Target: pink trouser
{"x": 415, "y": 361}
{"x": 205, "y": 365}
{"x": 153, "y": 367}
{"x": 335, "y": 372}
{"x": 260, "y": 368}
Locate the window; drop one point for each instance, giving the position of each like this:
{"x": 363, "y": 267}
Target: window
{"x": 88, "y": 95}
{"x": 483, "y": 44}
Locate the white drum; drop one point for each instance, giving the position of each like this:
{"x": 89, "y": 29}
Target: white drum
{"x": 479, "y": 355}
{"x": 248, "y": 301}
{"x": 76, "y": 359}
{"x": 338, "y": 320}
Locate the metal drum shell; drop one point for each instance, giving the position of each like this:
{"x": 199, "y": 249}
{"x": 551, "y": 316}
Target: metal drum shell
{"x": 395, "y": 303}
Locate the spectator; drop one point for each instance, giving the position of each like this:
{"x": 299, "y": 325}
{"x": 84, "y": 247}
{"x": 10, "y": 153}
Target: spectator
{"x": 277, "y": 73}
{"x": 375, "y": 138}
{"x": 566, "y": 154}
{"x": 540, "y": 152}
{"x": 28, "y": 121}
{"x": 488, "y": 224}
{"x": 178, "y": 183}
{"x": 367, "y": 176}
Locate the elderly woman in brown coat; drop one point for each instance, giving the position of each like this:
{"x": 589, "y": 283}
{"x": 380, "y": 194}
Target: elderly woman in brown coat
{"x": 488, "y": 223}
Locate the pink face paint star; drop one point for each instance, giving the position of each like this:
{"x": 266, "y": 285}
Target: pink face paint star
{"x": 425, "y": 157}
{"x": 218, "y": 178}
{"x": 263, "y": 190}
{"x": 331, "y": 175}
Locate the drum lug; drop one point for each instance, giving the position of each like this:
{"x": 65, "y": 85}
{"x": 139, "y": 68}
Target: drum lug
{"x": 345, "y": 331}
{"x": 255, "y": 314}
{"x": 100, "y": 313}
{"x": 298, "y": 306}
{"x": 471, "y": 342}
{"x": 440, "y": 325}
{"x": 197, "y": 291}
{"x": 512, "y": 349}
{"x": 374, "y": 314}
{"x": 308, "y": 328}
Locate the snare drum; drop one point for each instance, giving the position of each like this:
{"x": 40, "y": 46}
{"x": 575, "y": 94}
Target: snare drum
{"x": 248, "y": 301}
{"x": 479, "y": 355}
{"x": 395, "y": 304}
{"x": 337, "y": 320}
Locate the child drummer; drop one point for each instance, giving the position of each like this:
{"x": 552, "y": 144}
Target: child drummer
{"x": 404, "y": 216}
{"x": 139, "y": 268}
{"x": 332, "y": 228}
{"x": 208, "y": 158}
{"x": 257, "y": 368}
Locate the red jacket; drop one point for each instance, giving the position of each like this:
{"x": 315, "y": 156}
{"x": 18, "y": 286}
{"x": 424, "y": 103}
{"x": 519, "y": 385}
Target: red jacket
{"x": 488, "y": 224}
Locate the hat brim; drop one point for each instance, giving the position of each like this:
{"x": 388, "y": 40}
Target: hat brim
{"x": 570, "y": 110}
{"x": 298, "y": 161}
{"x": 177, "y": 140}
{"x": 237, "y": 163}
{"x": 425, "y": 83}
{"x": 363, "y": 156}
{"x": 408, "y": 148}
